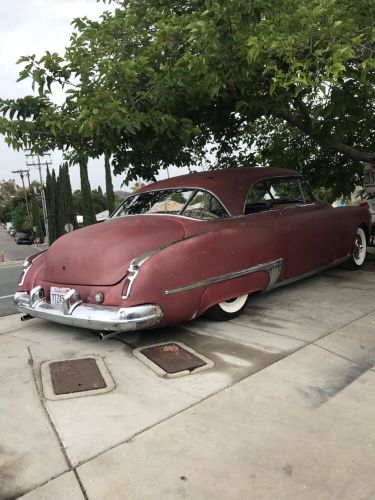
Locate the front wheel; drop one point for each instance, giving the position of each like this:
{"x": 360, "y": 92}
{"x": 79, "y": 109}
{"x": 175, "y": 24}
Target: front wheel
{"x": 358, "y": 256}
{"x": 228, "y": 309}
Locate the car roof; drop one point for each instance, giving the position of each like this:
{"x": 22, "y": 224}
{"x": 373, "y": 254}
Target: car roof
{"x": 230, "y": 185}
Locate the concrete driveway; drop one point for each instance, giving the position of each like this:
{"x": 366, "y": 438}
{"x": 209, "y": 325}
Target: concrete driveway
{"x": 286, "y": 412}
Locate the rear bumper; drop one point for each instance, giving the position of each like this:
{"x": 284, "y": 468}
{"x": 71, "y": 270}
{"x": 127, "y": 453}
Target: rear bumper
{"x": 91, "y": 316}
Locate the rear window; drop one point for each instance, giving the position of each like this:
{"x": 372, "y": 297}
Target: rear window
{"x": 194, "y": 203}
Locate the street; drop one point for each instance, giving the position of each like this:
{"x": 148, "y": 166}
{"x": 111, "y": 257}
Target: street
{"x": 9, "y": 274}
{"x": 10, "y": 270}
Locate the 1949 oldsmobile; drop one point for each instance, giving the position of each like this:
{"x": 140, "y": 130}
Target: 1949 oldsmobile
{"x": 191, "y": 245}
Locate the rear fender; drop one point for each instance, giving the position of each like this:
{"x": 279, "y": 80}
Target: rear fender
{"x": 221, "y": 292}
{"x": 177, "y": 278}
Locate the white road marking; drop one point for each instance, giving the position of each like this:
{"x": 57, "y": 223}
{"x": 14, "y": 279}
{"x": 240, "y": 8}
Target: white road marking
{"x": 7, "y": 296}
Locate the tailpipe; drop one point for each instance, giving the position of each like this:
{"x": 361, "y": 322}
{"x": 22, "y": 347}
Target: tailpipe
{"x": 25, "y": 317}
{"x": 107, "y": 335}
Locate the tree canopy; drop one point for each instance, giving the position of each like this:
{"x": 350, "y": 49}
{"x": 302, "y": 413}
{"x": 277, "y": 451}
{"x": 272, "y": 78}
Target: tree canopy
{"x": 159, "y": 82}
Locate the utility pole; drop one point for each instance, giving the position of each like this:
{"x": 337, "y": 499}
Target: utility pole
{"x": 22, "y": 172}
{"x": 35, "y": 161}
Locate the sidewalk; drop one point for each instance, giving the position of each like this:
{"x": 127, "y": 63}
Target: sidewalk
{"x": 287, "y": 411}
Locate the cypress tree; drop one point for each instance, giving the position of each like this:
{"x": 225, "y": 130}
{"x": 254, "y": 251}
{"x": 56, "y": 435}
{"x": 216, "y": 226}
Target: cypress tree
{"x": 61, "y": 202}
{"x": 51, "y": 201}
{"x": 88, "y": 212}
{"x": 70, "y": 213}
{"x": 66, "y": 213}
{"x": 108, "y": 183}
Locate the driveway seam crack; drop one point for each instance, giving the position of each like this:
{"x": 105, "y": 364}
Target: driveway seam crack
{"x": 370, "y": 367}
{"x": 55, "y": 431}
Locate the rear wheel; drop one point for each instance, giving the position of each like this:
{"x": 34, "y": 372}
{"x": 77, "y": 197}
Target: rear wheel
{"x": 358, "y": 256}
{"x": 228, "y": 309}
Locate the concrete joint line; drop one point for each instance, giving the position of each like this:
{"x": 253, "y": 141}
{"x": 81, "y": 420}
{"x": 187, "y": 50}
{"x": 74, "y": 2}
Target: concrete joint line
{"x": 53, "y": 427}
{"x": 343, "y": 357}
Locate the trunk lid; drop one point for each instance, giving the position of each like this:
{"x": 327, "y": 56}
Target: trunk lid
{"x": 100, "y": 254}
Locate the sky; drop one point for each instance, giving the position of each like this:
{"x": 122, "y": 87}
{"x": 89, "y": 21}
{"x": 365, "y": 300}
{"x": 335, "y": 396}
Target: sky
{"x": 32, "y": 27}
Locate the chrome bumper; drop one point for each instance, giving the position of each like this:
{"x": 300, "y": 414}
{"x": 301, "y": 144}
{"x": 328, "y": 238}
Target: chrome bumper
{"x": 91, "y": 316}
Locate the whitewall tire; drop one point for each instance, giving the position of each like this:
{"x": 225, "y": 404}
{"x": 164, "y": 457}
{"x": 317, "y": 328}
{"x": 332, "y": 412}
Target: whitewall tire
{"x": 228, "y": 309}
{"x": 358, "y": 256}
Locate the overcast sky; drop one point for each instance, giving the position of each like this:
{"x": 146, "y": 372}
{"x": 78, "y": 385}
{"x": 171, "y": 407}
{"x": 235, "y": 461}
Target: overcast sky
{"x": 34, "y": 26}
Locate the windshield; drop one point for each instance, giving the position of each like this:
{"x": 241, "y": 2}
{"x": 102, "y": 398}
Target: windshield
{"x": 193, "y": 203}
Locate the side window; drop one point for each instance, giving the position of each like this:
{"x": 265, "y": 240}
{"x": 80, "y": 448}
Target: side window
{"x": 286, "y": 190}
{"x": 307, "y": 193}
{"x": 279, "y": 192}
{"x": 204, "y": 205}
{"x": 259, "y": 198}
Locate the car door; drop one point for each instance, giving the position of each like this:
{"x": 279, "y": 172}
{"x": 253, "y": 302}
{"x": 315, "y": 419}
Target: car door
{"x": 309, "y": 227}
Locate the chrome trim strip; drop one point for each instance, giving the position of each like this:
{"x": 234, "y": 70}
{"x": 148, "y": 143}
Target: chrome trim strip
{"x": 26, "y": 266}
{"x": 288, "y": 281}
{"x": 92, "y": 316}
{"x": 136, "y": 264}
{"x": 274, "y": 268}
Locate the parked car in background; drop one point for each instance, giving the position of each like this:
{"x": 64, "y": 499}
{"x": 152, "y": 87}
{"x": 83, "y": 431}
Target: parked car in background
{"x": 22, "y": 238}
{"x": 191, "y": 245}
{"x": 12, "y": 232}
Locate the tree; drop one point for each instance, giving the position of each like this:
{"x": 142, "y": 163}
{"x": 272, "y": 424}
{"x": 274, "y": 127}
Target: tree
{"x": 20, "y": 219}
{"x": 51, "y": 194}
{"x": 66, "y": 213}
{"x": 108, "y": 183}
{"x": 162, "y": 82}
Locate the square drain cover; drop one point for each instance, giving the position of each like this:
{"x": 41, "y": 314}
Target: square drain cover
{"x": 172, "y": 359}
{"x": 75, "y": 377}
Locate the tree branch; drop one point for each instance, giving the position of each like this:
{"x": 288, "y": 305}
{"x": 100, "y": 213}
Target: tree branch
{"x": 352, "y": 153}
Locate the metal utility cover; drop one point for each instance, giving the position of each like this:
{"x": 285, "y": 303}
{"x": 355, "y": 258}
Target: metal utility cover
{"x": 75, "y": 377}
{"x": 172, "y": 359}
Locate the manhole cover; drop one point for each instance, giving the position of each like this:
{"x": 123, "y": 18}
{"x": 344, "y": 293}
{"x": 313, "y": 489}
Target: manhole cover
{"x": 172, "y": 359}
{"x": 76, "y": 375}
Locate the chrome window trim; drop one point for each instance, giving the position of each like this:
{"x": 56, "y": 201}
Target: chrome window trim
{"x": 175, "y": 215}
{"x": 273, "y": 268}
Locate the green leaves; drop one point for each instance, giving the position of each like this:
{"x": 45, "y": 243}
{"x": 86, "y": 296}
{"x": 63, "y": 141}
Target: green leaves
{"x": 157, "y": 82}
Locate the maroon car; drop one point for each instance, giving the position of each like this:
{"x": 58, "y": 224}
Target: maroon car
{"x": 191, "y": 245}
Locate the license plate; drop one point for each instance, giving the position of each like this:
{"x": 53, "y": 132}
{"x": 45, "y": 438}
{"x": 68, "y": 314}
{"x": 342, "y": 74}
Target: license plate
{"x": 57, "y": 294}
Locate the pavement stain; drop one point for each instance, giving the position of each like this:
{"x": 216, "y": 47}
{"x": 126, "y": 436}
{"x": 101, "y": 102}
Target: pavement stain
{"x": 338, "y": 382}
{"x": 10, "y": 469}
{"x": 288, "y": 469}
{"x": 236, "y": 360}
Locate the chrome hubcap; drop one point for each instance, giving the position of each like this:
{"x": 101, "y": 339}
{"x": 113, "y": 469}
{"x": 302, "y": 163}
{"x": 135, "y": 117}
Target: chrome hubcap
{"x": 358, "y": 248}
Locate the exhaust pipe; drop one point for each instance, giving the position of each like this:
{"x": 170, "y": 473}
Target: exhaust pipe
{"x": 25, "y": 317}
{"x": 107, "y": 335}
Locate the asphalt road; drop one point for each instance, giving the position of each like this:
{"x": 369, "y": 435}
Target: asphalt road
{"x": 10, "y": 270}
{"x": 11, "y": 250}
{"x": 9, "y": 274}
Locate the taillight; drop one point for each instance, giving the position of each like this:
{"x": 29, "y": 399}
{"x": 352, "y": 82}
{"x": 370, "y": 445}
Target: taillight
{"x": 364, "y": 204}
